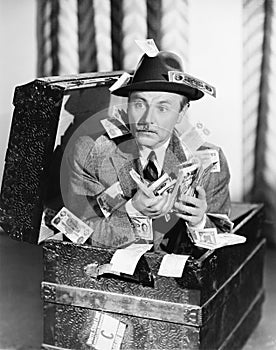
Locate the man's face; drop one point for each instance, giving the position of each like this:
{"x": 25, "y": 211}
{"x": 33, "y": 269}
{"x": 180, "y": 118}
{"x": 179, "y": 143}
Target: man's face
{"x": 153, "y": 116}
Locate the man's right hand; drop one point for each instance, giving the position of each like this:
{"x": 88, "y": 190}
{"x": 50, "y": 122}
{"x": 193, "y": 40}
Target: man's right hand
{"x": 152, "y": 207}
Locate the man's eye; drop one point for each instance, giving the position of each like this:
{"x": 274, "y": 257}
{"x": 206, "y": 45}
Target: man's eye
{"x": 163, "y": 108}
{"x": 138, "y": 104}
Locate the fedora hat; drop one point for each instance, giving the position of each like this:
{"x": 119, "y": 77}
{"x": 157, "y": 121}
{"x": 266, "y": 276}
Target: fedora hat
{"x": 151, "y": 74}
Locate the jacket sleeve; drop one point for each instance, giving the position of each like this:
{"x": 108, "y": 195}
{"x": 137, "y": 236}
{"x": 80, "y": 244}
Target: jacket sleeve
{"x": 84, "y": 186}
{"x": 217, "y": 191}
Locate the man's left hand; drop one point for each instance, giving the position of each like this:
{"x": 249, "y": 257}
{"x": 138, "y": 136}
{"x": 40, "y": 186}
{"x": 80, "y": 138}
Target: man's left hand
{"x": 192, "y": 209}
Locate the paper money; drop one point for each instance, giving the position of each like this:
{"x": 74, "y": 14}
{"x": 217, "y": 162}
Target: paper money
{"x": 184, "y": 78}
{"x": 141, "y": 183}
{"x": 148, "y": 47}
{"x": 106, "y": 268}
{"x": 125, "y": 260}
{"x": 202, "y": 129}
{"x": 208, "y": 156}
{"x": 222, "y": 221}
{"x": 192, "y": 139}
{"x": 223, "y": 240}
{"x": 119, "y": 114}
{"x": 164, "y": 183}
{"x": 156, "y": 188}
{"x": 124, "y": 78}
{"x": 190, "y": 175}
{"x": 106, "y": 332}
{"x": 114, "y": 127}
{"x": 111, "y": 199}
{"x": 184, "y": 180}
{"x": 142, "y": 227}
{"x": 192, "y": 233}
{"x": 166, "y": 186}
{"x": 207, "y": 235}
{"x": 71, "y": 226}
{"x": 209, "y": 238}
{"x": 172, "y": 265}
{"x": 230, "y": 239}
{"x": 186, "y": 176}
{"x": 200, "y": 178}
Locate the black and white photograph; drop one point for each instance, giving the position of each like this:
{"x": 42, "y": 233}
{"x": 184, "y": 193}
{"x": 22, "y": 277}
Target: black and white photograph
{"x": 137, "y": 175}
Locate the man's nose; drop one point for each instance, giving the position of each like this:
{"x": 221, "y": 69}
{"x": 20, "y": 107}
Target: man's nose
{"x": 149, "y": 115}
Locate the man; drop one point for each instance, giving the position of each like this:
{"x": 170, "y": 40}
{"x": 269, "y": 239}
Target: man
{"x": 155, "y": 106}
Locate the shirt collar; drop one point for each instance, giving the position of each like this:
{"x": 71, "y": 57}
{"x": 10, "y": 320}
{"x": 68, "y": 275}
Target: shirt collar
{"x": 159, "y": 151}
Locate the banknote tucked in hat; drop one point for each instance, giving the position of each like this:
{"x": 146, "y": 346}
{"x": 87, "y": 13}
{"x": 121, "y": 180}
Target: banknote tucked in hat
{"x": 164, "y": 72}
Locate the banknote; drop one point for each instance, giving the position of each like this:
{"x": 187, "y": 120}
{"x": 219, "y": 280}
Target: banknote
{"x": 71, "y": 226}
{"x": 125, "y": 260}
{"x": 230, "y": 239}
{"x": 187, "y": 175}
{"x": 199, "y": 179}
{"x": 186, "y": 186}
{"x": 165, "y": 186}
{"x": 223, "y": 240}
{"x": 164, "y": 183}
{"x": 184, "y": 78}
{"x": 141, "y": 183}
{"x": 114, "y": 127}
{"x": 208, "y": 156}
{"x": 207, "y": 235}
{"x": 142, "y": 227}
{"x": 192, "y": 139}
{"x": 124, "y": 78}
{"x": 183, "y": 182}
{"x": 148, "y": 47}
{"x": 192, "y": 233}
{"x": 111, "y": 199}
{"x": 172, "y": 265}
{"x": 158, "y": 187}
{"x": 120, "y": 114}
{"x": 222, "y": 221}
{"x": 208, "y": 238}
{"x": 106, "y": 332}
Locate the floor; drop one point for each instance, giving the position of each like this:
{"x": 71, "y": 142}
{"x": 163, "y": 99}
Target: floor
{"x": 21, "y": 310}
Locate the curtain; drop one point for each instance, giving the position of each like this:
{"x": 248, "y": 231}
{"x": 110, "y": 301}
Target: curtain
{"x": 77, "y": 36}
{"x": 260, "y": 109}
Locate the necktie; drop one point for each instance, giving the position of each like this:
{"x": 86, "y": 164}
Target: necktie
{"x": 150, "y": 171}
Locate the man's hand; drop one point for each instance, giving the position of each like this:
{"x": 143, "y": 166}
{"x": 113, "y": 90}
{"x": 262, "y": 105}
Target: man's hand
{"x": 192, "y": 209}
{"x": 152, "y": 207}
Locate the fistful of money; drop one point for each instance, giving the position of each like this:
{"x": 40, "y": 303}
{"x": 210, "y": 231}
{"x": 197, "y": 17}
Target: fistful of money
{"x": 191, "y": 174}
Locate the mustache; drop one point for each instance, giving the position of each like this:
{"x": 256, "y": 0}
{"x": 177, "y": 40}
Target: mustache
{"x": 145, "y": 127}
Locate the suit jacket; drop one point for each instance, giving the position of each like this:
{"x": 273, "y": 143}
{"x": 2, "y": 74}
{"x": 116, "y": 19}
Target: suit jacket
{"x": 95, "y": 165}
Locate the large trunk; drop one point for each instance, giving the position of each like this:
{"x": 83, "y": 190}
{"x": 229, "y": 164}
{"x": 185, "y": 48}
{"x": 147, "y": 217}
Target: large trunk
{"x": 214, "y": 305}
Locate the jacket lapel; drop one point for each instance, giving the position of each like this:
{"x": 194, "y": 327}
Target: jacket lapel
{"x": 124, "y": 159}
{"x": 174, "y": 157}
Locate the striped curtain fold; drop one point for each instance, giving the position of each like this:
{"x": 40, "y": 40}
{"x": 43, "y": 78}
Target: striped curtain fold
{"x": 253, "y": 40}
{"x": 259, "y": 108}
{"x": 76, "y": 36}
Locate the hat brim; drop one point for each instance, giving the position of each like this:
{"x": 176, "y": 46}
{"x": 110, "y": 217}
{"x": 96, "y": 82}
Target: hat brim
{"x": 178, "y": 88}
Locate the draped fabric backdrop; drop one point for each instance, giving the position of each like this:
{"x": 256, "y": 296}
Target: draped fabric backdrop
{"x": 259, "y": 108}
{"x": 76, "y": 36}
{"x": 253, "y": 39}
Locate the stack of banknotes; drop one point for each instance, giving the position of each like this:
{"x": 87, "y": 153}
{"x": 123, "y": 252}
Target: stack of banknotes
{"x": 209, "y": 238}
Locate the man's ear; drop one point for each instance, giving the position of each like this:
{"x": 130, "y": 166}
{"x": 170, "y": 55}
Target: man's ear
{"x": 181, "y": 115}
{"x": 182, "y": 112}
